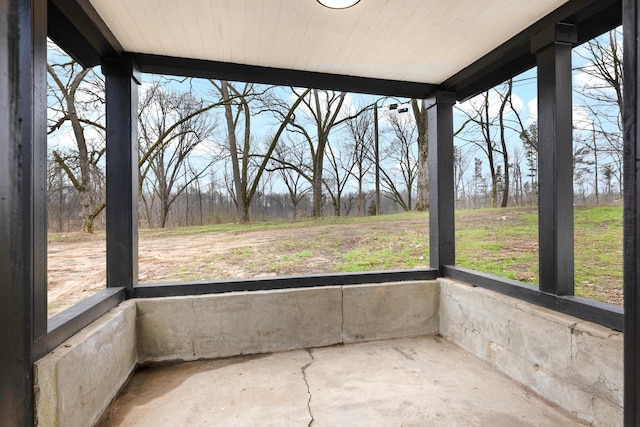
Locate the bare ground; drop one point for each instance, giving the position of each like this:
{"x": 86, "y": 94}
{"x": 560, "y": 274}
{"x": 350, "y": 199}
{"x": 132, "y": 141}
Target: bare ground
{"x": 77, "y": 262}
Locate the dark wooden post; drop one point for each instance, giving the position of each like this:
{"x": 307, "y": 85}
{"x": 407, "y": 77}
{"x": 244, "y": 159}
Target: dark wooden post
{"x": 122, "y": 80}
{"x": 631, "y": 219}
{"x": 441, "y": 186}
{"x": 555, "y": 158}
{"x": 376, "y": 151}
{"x": 23, "y": 239}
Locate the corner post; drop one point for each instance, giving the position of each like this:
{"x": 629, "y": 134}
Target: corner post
{"x": 555, "y": 158}
{"x": 631, "y": 24}
{"x": 441, "y": 185}
{"x": 122, "y": 79}
{"x": 23, "y": 219}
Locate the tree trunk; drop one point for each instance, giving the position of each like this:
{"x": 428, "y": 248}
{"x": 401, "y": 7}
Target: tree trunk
{"x": 317, "y": 193}
{"x": 420, "y": 114}
{"x": 360, "y": 192}
{"x": 243, "y": 211}
{"x": 503, "y": 142}
{"x": 84, "y": 189}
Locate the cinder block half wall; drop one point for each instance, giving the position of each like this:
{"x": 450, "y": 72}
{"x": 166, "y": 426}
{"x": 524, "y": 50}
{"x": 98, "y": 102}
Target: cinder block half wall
{"x": 571, "y": 362}
{"x": 76, "y": 382}
{"x": 222, "y": 325}
{"x": 382, "y": 311}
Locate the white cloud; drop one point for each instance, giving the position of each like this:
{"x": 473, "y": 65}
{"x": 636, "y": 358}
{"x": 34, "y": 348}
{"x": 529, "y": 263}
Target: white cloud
{"x": 581, "y": 117}
{"x": 476, "y": 103}
{"x": 533, "y": 111}
{"x": 582, "y": 120}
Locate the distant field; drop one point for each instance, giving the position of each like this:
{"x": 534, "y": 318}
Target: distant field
{"x": 497, "y": 241}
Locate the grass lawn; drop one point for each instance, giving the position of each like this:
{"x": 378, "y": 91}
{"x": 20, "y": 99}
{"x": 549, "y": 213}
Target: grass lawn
{"x": 503, "y": 242}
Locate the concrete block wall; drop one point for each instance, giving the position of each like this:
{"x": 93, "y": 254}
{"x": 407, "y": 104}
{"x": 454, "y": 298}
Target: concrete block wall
{"x": 75, "y": 383}
{"x": 382, "y": 311}
{"x": 222, "y": 325}
{"x": 210, "y": 326}
{"x": 573, "y": 363}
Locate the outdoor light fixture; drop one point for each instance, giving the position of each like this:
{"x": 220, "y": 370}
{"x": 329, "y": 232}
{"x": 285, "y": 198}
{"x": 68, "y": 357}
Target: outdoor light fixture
{"x": 338, "y": 4}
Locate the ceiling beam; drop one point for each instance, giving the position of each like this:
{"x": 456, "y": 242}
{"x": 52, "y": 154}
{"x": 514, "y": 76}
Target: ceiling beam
{"x": 279, "y": 76}
{"x": 79, "y": 30}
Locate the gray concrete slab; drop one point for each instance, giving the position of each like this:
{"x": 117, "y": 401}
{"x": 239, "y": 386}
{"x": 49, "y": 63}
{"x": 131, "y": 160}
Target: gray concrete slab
{"x": 423, "y": 381}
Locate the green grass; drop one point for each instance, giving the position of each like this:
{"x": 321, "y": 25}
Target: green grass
{"x": 598, "y": 241}
{"x": 498, "y": 241}
{"x": 303, "y": 255}
{"x": 508, "y": 247}
{"x": 503, "y": 242}
{"x": 386, "y": 250}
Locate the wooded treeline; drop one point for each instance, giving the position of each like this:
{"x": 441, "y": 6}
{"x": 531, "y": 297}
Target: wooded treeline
{"x": 218, "y": 151}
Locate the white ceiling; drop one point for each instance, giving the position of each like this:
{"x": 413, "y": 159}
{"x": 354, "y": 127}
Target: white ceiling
{"x": 408, "y": 40}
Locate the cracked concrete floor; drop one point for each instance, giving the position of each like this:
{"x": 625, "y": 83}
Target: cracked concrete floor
{"x": 424, "y": 381}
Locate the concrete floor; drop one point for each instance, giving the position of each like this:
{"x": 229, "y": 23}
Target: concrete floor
{"x": 423, "y": 381}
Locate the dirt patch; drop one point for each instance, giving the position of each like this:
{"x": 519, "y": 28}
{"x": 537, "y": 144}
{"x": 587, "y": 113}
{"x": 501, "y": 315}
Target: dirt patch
{"x": 77, "y": 263}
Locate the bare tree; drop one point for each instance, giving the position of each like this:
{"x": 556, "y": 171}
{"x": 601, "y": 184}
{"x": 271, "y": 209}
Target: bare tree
{"x": 487, "y": 131}
{"x": 401, "y": 167}
{"x": 588, "y": 156}
{"x": 361, "y": 145}
{"x": 295, "y": 155}
{"x": 481, "y": 135}
{"x": 516, "y": 173}
{"x": 460, "y": 165}
{"x": 76, "y": 100}
{"x": 172, "y": 124}
{"x": 529, "y": 138}
{"x": 506, "y": 98}
{"x": 341, "y": 164}
{"x": 601, "y": 94}
{"x": 420, "y": 114}
{"x": 322, "y": 111}
{"x": 248, "y": 168}
{"x": 604, "y": 65}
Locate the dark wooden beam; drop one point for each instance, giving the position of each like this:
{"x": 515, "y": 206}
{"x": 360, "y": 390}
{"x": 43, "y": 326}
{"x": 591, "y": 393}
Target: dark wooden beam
{"x": 279, "y": 76}
{"x": 80, "y": 31}
{"x": 121, "y": 86}
{"x": 603, "y": 314}
{"x": 284, "y": 282}
{"x": 555, "y": 158}
{"x": 22, "y": 202}
{"x": 441, "y": 185}
{"x": 631, "y": 215}
{"x": 66, "y": 324}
